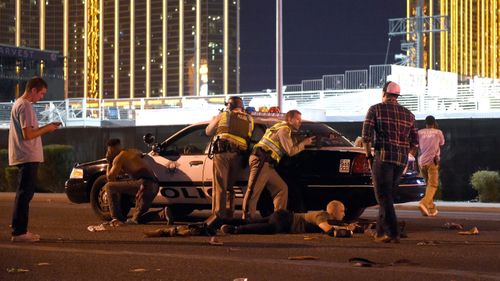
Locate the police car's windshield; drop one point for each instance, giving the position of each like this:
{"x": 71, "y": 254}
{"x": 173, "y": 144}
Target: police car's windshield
{"x": 325, "y": 136}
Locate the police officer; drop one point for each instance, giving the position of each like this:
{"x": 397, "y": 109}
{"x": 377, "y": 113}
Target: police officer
{"x": 276, "y": 142}
{"x": 233, "y": 129}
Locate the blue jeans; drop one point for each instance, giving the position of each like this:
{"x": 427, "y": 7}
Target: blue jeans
{"x": 386, "y": 177}
{"x": 24, "y": 194}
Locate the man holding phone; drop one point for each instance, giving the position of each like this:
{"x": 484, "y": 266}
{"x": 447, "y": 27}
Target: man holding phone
{"x": 26, "y": 152}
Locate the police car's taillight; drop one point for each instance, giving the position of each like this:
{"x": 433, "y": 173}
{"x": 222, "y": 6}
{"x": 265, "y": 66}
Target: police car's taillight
{"x": 76, "y": 173}
{"x": 360, "y": 165}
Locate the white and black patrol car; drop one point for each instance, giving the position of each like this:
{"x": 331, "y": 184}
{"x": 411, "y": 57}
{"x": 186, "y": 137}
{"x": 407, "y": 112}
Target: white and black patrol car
{"x": 331, "y": 168}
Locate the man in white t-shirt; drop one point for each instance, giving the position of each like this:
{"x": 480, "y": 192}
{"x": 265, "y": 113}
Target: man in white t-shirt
{"x": 26, "y": 152}
{"x": 430, "y": 141}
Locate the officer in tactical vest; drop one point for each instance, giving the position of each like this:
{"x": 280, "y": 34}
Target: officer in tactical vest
{"x": 233, "y": 129}
{"x": 276, "y": 142}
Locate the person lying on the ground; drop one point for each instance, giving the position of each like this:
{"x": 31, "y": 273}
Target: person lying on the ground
{"x": 283, "y": 221}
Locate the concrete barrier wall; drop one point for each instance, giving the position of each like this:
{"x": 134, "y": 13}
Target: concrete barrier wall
{"x": 471, "y": 145}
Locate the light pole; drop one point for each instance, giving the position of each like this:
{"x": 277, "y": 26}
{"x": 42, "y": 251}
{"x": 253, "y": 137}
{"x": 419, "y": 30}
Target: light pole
{"x": 279, "y": 54}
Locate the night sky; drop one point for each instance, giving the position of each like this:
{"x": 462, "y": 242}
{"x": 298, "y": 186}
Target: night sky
{"x": 319, "y": 37}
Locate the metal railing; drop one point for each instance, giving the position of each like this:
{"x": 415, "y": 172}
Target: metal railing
{"x": 469, "y": 101}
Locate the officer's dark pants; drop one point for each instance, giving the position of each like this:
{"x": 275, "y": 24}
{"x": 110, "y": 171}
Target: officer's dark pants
{"x": 120, "y": 191}
{"x": 386, "y": 177}
{"x": 24, "y": 194}
{"x": 278, "y": 222}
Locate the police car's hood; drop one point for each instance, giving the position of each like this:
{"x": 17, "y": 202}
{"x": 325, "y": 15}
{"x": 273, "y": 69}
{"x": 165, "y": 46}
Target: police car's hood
{"x": 92, "y": 163}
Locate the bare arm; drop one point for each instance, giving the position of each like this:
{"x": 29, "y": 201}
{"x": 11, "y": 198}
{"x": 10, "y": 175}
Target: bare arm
{"x": 212, "y": 126}
{"x": 30, "y": 133}
{"x": 116, "y": 167}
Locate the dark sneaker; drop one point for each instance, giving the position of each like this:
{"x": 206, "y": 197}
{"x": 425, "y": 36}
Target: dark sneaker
{"x": 228, "y": 229}
{"x": 27, "y": 237}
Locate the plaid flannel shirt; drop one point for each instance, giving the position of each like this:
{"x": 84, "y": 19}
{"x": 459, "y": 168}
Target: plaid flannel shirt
{"x": 390, "y": 127}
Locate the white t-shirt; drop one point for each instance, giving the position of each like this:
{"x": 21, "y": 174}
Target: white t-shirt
{"x": 429, "y": 142}
{"x": 21, "y": 151}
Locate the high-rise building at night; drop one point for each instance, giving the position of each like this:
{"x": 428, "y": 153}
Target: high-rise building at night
{"x": 471, "y": 46}
{"x": 133, "y": 48}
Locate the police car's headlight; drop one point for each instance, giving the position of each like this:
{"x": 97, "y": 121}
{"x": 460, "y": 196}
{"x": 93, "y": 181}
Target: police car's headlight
{"x": 76, "y": 173}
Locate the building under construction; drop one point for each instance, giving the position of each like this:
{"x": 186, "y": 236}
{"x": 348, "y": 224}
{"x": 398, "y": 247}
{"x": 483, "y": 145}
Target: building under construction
{"x": 471, "y": 44}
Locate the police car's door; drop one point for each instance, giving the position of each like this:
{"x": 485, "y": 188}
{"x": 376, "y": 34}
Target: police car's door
{"x": 181, "y": 177}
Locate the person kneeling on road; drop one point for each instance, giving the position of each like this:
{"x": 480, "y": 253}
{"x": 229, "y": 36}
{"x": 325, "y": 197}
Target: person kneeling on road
{"x": 143, "y": 185}
{"x": 283, "y": 221}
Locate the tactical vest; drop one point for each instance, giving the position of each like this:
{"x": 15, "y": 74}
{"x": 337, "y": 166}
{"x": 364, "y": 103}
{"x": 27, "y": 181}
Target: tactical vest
{"x": 272, "y": 146}
{"x": 236, "y": 127}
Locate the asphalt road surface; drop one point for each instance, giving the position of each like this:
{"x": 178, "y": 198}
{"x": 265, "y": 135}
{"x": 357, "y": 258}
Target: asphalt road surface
{"x": 68, "y": 251}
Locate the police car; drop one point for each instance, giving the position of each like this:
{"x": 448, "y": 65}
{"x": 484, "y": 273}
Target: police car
{"x": 330, "y": 169}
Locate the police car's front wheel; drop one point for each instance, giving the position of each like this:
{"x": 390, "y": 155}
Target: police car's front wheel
{"x": 99, "y": 199}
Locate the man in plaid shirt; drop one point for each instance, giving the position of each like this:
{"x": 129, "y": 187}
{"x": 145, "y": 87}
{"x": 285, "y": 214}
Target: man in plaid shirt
{"x": 390, "y": 128}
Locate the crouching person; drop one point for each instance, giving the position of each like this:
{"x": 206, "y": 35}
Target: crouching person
{"x": 283, "y": 221}
{"x": 143, "y": 185}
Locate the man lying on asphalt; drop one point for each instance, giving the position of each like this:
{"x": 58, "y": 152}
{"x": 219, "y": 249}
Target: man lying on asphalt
{"x": 281, "y": 221}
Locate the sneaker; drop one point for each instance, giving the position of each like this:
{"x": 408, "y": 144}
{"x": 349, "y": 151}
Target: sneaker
{"x": 228, "y": 229}
{"x": 115, "y": 223}
{"x": 27, "y": 237}
{"x": 386, "y": 239}
{"x": 434, "y": 213}
{"x": 423, "y": 210}
{"x": 131, "y": 222}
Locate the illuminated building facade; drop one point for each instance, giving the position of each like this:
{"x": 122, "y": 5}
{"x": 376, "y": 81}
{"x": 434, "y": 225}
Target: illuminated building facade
{"x": 132, "y": 48}
{"x": 471, "y": 46}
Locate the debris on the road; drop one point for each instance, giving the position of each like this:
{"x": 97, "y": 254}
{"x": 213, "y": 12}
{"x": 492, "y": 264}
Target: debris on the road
{"x": 404, "y": 262}
{"x": 215, "y": 242}
{"x": 362, "y": 262}
{"x": 309, "y": 238}
{"x": 43, "y": 263}
{"x": 303, "y": 258}
{"x": 241, "y": 279}
{"x": 370, "y": 232}
{"x": 96, "y": 228}
{"x": 138, "y": 270}
{"x": 452, "y": 225}
{"x": 472, "y": 231}
{"x": 17, "y": 270}
{"x": 427, "y": 243}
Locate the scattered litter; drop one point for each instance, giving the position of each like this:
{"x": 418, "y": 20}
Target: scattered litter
{"x": 241, "y": 279}
{"x": 404, "y": 262}
{"x": 472, "y": 231}
{"x": 43, "y": 263}
{"x": 303, "y": 258}
{"x": 309, "y": 238}
{"x": 361, "y": 262}
{"x": 96, "y": 228}
{"x": 138, "y": 270}
{"x": 452, "y": 225}
{"x": 370, "y": 232}
{"x": 215, "y": 242}
{"x": 427, "y": 243}
{"x": 158, "y": 269}
{"x": 17, "y": 270}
